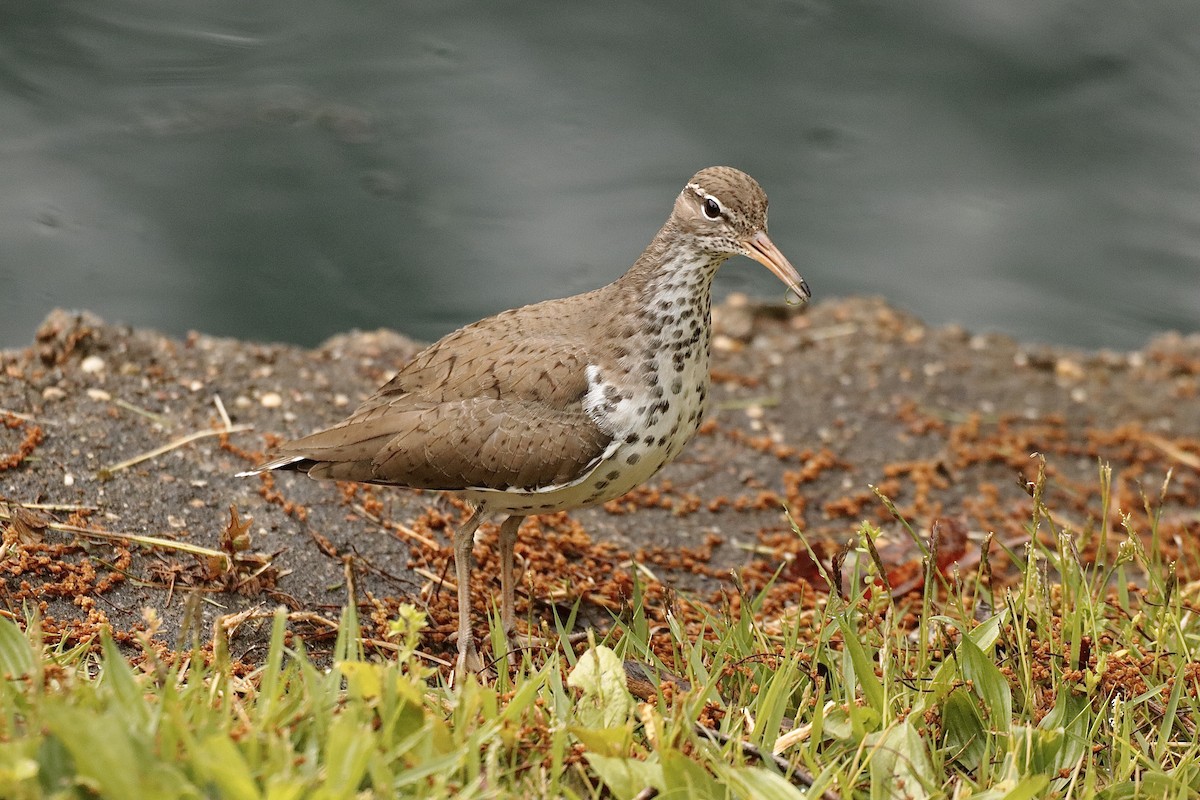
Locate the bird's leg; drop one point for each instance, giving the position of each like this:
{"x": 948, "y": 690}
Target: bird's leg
{"x": 464, "y": 540}
{"x": 508, "y": 614}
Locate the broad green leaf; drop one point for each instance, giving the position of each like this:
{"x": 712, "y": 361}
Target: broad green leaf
{"x": 1026, "y": 787}
{"x": 16, "y": 654}
{"x": 117, "y": 676}
{"x": 1040, "y": 750}
{"x": 683, "y": 777}
{"x": 1150, "y": 784}
{"x": 990, "y": 685}
{"x": 864, "y": 666}
{"x": 963, "y": 737}
{"x": 220, "y": 763}
{"x": 280, "y": 788}
{"x": 1068, "y": 726}
{"x": 363, "y": 679}
{"x": 900, "y": 765}
{"x": 626, "y": 777}
{"x": 945, "y": 679}
{"x": 606, "y": 701}
{"x": 16, "y": 767}
{"x": 101, "y": 749}
{"x": 606, "y": 741}
{"x": 761, "y": 784}
{"x": 347, "y": 750}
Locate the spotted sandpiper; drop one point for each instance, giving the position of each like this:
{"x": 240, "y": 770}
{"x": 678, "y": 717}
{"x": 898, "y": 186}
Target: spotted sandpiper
{"x": 560, "y": 404}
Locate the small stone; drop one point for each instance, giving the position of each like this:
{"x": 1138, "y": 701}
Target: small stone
{"x": 1068, "y": 369}
{"x": 53, "y": 393}
{"x": 99, "y": 395}
{"x": 271, "y": 400}
{"x": 725, "y": 344}
{"x": 340, "y": 400}
{"x": 196, "y": 386}
{"x": 93, "y": 365}
{"x": 68, "y": 479}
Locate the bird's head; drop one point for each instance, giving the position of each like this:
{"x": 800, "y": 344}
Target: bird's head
{"x": 724, "y": 211}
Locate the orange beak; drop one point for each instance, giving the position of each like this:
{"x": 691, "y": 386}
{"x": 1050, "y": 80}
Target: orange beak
{"x": 763, "y": 250}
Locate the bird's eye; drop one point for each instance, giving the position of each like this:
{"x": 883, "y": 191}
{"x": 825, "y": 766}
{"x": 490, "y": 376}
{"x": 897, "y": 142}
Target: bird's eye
{"x": 712, "y": 209}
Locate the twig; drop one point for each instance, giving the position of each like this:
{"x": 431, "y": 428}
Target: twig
{"x": 831, "y": 331}
{"x": 157, "y": 419}
{"x": 392, "y": 647}
{"x": 25, "y": 417}
{"x": 58, "y": 507}
{"x": 398, "y": 527}
{"x": 168, "y": 447}
{"x": 224, "y": 414}
{"x": 797, "y": 776}
{"x": 149, "y": 541}
{"x": 1172, "y": 450}
{"x": 765, "y": 401}
{"x": 437, "y": 579}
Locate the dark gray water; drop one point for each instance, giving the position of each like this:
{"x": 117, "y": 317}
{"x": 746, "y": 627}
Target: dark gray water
{"x": 287, "y": 170}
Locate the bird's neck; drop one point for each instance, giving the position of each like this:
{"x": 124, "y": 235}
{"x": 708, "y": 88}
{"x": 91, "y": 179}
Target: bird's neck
{"x": 672, "y": 273}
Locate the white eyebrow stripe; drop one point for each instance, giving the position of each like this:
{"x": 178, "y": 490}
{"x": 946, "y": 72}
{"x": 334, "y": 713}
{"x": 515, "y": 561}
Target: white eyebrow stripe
{"x": 695, "y": 187}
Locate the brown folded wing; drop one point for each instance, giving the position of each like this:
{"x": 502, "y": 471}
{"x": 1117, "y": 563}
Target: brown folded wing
{"x": 491, "y": 406}
{"x": 476, "y": 443}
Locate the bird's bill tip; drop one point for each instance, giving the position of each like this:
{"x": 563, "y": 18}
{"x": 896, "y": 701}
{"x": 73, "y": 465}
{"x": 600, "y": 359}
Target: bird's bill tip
{"x": 763, "y": 250}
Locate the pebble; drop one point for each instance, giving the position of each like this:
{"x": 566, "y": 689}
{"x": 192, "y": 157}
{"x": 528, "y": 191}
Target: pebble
{"x": 271, "y": 400}
{"x": 93, "y": 365}
{"x": 53, "y": 393}
{"x": 1068, "y": 369}
{"x": 725, "y": 344}
{"x": 99, "y": 395}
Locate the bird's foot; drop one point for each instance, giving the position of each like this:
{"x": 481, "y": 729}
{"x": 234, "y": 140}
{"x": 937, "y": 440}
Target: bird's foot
{"x": 469, "y": 662}
{"x": 521, "y": 642}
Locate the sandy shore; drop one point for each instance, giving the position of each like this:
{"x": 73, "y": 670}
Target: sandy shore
{"x": 129, "y": 432}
